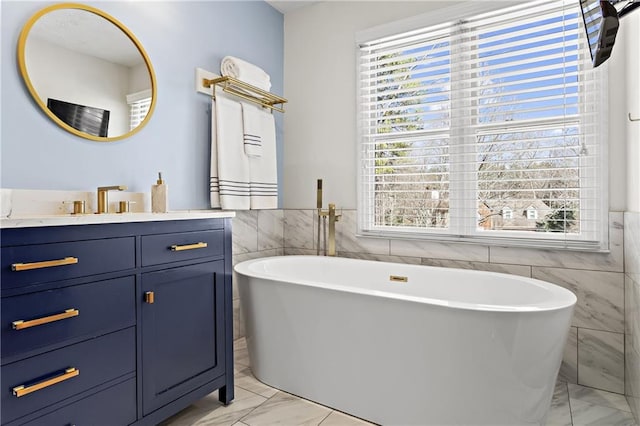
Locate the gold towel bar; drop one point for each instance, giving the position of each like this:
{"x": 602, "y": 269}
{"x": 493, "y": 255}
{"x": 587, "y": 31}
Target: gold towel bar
{"x": 246, "y": 91}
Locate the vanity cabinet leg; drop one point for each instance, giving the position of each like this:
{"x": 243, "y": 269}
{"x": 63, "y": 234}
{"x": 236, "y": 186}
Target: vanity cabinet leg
{"x": 225, "y": 394}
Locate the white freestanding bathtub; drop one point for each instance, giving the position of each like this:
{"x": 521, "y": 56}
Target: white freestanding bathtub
{"x": 448, "y": 346}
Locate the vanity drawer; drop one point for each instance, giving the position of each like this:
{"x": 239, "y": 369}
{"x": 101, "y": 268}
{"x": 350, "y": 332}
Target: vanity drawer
{"x": 55, "y": 316}
{"x": 95, "y": 361}
{"x": 33, "y": 264}
{"x": 164, "y": 248}
{"x": 113, "y": 406}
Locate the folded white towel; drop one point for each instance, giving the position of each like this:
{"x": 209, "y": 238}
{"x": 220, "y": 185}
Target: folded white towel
{"x": 233, "y": 164}
{"x": 264, "y": 169}
{"x": 245, "y": 71}
{"x": 252, "y": 129}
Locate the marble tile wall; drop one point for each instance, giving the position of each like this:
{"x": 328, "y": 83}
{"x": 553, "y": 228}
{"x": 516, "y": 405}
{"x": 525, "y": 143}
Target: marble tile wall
{"x": 595, "y": 349}
{"x": 256, "y": 233}
{"x": 632, "y": 311}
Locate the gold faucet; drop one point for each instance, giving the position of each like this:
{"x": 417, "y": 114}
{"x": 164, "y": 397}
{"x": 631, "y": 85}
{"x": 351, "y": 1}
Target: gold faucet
{"x": 103, "y": 200}
{"x": 333, "y": 218}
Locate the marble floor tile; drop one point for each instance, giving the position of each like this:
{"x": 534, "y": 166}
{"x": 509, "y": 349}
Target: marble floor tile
{"x": 286, "y": 409}
{"x": 210, "y": 412}
{"x": 337, "y": 418}
{"x": 245, "y": 379}
{"x": 585, "y": 414}
{"x": 560, "y": 411}
{"x": 598, "y": 397}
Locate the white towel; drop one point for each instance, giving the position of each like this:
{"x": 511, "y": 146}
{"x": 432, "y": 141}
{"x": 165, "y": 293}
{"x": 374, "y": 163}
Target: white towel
{"x": 264, "y": 169}
{"x": 252, "y": 129}
{"x": 245, "y": 71}
{"x": 233, "y": 164}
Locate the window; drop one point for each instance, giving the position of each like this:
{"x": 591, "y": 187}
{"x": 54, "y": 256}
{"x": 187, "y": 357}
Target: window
{"x": 139, "y": 104}
{"x": 507, "y": 213}
{"x": 497, "y": 109}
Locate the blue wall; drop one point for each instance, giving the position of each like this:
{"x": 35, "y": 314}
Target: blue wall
{"x": 178, "y": 37}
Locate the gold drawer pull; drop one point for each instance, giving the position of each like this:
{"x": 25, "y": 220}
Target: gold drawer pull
{"x": 45, "y": 264}
{"x": 189, "y": 246}
{"x": 23, "y": 390}
{"x": 69, "y": 313}
{"x": 149, "y": 297}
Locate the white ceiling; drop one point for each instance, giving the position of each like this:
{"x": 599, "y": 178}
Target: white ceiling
{"x": 285, "y": 6}
{"x": 87, "y": 33}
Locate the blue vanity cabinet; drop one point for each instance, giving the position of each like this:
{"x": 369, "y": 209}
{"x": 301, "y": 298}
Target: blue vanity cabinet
{"x": 182, "y": 329}
{"x": 114, "y": 324}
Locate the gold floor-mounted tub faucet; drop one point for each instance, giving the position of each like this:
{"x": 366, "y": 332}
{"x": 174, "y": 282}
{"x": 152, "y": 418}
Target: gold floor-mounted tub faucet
{"x": 333, "y": 218}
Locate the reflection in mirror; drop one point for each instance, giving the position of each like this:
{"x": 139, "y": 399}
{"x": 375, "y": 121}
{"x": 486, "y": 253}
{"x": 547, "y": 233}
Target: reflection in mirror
{"x": 87, "y": 72}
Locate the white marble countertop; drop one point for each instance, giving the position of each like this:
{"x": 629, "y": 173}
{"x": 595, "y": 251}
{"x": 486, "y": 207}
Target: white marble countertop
{"x": 29, "y": 221}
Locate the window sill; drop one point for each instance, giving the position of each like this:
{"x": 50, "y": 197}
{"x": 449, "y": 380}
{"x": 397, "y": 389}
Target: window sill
{"x": 515, "y": 242}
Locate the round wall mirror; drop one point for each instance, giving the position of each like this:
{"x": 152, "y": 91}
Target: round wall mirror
{"x": 87, "y": 72}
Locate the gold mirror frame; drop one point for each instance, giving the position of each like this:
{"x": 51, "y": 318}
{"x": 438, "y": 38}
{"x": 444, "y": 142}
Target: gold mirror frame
{"x": 22, "y": 41}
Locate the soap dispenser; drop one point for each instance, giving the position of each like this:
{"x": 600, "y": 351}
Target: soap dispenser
{"x": 159, "y": 196}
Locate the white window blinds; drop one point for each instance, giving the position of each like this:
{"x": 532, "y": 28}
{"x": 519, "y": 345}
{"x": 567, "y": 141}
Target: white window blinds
{"x": 500, "y": 112}
{"x": 139, "y": 104}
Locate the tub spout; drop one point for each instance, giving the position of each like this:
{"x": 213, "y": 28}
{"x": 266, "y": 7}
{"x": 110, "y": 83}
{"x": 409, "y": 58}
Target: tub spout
{"x": 333, "y": 218}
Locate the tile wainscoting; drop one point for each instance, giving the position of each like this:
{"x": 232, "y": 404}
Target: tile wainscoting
{"x": 256, "y": 233}
{"x": 632, "y": 311}
{"x": 595, "y": 351}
